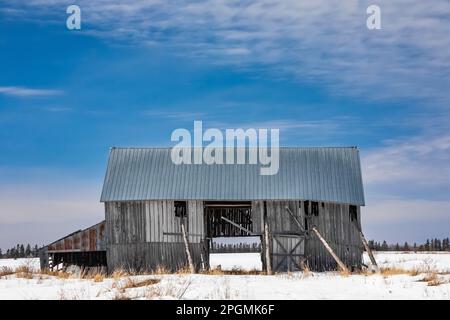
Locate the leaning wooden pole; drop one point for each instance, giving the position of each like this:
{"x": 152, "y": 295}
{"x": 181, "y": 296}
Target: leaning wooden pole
{"x": 186, "y": 246}
{"x": 267, "y": 242}
{"x": 369, "y": 252}
{"x": 330, "y": 250}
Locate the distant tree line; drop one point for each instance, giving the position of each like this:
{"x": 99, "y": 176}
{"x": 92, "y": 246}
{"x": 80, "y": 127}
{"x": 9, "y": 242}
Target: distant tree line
{"x": 20, "y": 251}
{"x": 429, "y": 245}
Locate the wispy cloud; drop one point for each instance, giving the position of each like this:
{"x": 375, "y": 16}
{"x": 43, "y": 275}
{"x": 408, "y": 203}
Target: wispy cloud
{"x": 422, "y": 161}
{"x": 58, "y": 109}
{"x": 176, "y": 115}
{"x": 28, "y": 92}
{"x": 318, "y": 41}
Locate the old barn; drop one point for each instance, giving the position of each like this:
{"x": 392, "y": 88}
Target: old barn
{"x": 161, "y": 214}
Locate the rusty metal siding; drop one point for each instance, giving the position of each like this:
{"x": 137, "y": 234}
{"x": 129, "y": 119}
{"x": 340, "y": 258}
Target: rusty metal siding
{"x": 318, "y": 174}
{"x": 90, "y": 239}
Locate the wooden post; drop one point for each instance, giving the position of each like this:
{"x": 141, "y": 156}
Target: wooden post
{"x": 295, "y": 219}
{"x": 186, "y": 245}
{"x": 330, "y": 250}
{"x": 238, "y": 226}
{"x": 267, "y": 242}
{"x": 369, "y": 252}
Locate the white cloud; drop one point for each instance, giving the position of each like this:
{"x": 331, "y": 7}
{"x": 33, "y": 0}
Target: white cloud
{"x": 176, "y": 115}
{"x": 28, "y": 92}
{"x": 407, "y": 183}
{"x": 318, "y": 41}
{"x": 423, "y": 161}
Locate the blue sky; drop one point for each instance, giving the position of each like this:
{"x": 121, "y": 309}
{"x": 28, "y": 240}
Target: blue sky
{"x": 137, "y": 71}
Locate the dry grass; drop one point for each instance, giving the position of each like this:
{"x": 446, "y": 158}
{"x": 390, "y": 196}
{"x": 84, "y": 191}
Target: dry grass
{"x": 220, "y": 272}
{"x": 119, "y": 273}
{"x": 175, "y": 288}
{"x": 433, "y": 279}
{"x": 386, "y": 272}
{"x": 56, "y": 274}
{"x": 397, "y": 271}
{"x": 306, "y": 269}
{"x": 6, "y": 271}
{"x": 184, "y": 270}
{"x": 345, "y": 273}
{"x": 437, "y": 282}
{"x": 415, "y": 272}
{"x": 63, "y": 275}
{"x": 24, "y": 272}
{"x": 99, "y": 277}
{"x": 161, "y": 270}
{"x": 131, "y": 283}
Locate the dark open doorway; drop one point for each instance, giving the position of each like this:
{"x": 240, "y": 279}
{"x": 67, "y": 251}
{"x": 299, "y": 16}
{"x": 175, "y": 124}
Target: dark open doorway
{"x": 218, "y": 215}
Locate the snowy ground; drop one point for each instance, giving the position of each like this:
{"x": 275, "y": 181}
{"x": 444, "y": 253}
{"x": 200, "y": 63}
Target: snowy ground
{"x": 329, "y": 285}
{"x": 233, "y": 261}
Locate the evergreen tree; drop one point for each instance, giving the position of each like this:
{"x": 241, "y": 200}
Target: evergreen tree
{"x": 1, "y": 253}
{"x": 384, "y": 246}
{"x": 438, "y": 245}
{"x": 406, "y": 246}
{"x": 427, "y": 245}
{"x": 446, "y": 246}
{"x": 28, "y": 251}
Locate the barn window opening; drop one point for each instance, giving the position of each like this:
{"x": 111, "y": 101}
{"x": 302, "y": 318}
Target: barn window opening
{"x": 353, "y": 213}
{"x": 180, "y": 209}
{"x": 315, "y": 208}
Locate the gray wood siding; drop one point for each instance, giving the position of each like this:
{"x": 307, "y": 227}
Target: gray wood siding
{"x": 146, "y": 234}
{"x": 333, "y": 222}
{"x": 138, "y": 232}
{"x": 257, "y": 216}
{"x": 278, "y": 217}
{"x": 151, "y": 255}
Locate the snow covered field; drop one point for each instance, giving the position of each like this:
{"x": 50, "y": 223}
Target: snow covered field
{"x": 241, "y": 261}
{"x": 415, "y": 276}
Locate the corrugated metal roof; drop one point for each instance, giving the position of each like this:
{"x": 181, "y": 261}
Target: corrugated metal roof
{"x": 321, "y": 174}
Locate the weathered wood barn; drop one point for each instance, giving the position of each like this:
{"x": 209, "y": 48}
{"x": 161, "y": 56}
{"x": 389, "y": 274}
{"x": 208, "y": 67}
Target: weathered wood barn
{"x": 159, "y": 214}
{"x": 154, "y": 207}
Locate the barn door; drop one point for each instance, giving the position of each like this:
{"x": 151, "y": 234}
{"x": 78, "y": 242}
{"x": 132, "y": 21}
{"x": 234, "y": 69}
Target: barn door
{"x": 286, "y": 224}
{"x": 287, "y": 252}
